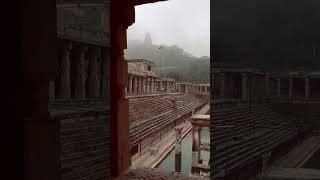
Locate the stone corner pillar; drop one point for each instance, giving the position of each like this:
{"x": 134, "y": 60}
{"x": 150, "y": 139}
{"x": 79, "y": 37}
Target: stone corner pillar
{"x": 222, "y": 88}
{"x": 178, "y": 131}
{"x": 307, "y": 91}
{"x": 147, "y": 85}
{"x": 51, "y": 90}
{"x": 196, "y": 141}
{"x": 290, "y": 87}
{"x": 278, "y": 87}
{"x": 267, "y": 85}
{"x": 244, "y": 80}
{"x": 130, "y": 84}
{"x": 65, "y": 86}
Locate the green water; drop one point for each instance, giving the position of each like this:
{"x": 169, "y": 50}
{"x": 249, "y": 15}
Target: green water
{"x": 186, "y": 153}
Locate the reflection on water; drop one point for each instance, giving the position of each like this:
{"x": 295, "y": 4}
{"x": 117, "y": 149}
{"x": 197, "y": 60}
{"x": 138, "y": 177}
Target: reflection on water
{"x": 186, "y": 152}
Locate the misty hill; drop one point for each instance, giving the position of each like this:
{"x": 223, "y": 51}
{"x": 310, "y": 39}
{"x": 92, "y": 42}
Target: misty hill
{"x": 171, "y": 61}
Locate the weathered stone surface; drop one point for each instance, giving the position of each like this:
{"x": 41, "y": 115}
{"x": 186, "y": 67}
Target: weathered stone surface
{"x": 155, "y": 174}
{"x": 84, "y": 141}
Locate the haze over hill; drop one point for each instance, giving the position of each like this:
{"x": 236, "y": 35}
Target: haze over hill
{"x": 171, "y": 61}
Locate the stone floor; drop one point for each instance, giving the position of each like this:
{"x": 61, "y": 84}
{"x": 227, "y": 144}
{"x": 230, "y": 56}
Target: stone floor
{"x": 289, "y": 166}
{"x": 292, "y": 174}
{"x": 155, "y": 174}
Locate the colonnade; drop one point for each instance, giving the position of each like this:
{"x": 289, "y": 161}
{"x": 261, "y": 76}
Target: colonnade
{"x": 201, "y": 88}
{"x": 296, "y": 87}
{"x": 240, "y": 85}
{"x": 256, "y": 85}
{"x": 165, "y": 85}
{"x": 83, "y": 72}
{"x": 138, "y": 84}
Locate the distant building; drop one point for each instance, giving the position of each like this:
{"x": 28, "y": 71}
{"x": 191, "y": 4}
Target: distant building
{"x": 148, "y": 40}
{"x": 142, "y": 79}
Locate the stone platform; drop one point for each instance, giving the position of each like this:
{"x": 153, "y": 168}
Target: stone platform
{"x": 155, "y": 174}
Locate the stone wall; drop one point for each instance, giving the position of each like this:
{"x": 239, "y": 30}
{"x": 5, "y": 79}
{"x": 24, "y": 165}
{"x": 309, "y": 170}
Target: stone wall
{"x": 85, "y": 143}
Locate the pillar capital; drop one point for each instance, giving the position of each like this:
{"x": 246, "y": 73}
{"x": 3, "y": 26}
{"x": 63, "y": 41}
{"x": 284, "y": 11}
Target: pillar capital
{"x": 196, "y": 126}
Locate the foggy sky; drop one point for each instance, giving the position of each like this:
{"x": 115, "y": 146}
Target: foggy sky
{"x": 185, "y": 23}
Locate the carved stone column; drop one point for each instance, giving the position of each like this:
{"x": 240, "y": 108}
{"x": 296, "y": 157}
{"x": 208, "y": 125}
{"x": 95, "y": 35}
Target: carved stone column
{"x": 244, "y": 86}
{"x": 135, "y": 84}
{"x": 105, "y": 73}
{"x": 93, "y": 72}
{"x": 307, "y": 88}
{"x": 155, "y": 85}
{"x": 79, "y": 88}
{"x": 290, "y": 87}
{"x": 147, "y": 85}
{"x": 51, "y": 90}
{"x": 178, "y": 131}
{"x": 279, "y": 87}
{"x": 130, "y": 84}
{"x": 152, "y": 84}
{"x": 222, "y": 86}
{"x": 65, "y": 91}
{"x": 196, "y": 141}
{"x": 143, "y": 84}
{"x": 267, "y": 86}
{"x": 138, "y": 85}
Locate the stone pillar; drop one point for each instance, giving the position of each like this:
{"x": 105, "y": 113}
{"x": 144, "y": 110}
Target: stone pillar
{"x": 64, "y": 91}
{"x": 152, "y": 85}
{"x": 99, "y": 75}
{"x": 168, "y": 88}
{"x": 178, "y": 131}
{"x": 142, "y": 88}
{"x": 80, "y": 76}
{"x": 278, "y": 87}
{"x": 141, "y": 84}
{"x": 196, "y": 141}
{"x": 307, "y": 91}
{"x": 160, "y": 85}
{"x": 155, "y": 85}
{"x": 93, "y": 72}
{"x": 135, "y": 83}
{"x": 290, "y": 87}
{"x": 144, "y": 84}
{"x": 51, "y": 90}
{"x": 222, "y": 86}
{"x": 244, "y": 80}
{"x": 105, "y": 90}
{"x": 130, "y": 84}
{"x": 267, "y": 86}
{"x": 147, "y": 85}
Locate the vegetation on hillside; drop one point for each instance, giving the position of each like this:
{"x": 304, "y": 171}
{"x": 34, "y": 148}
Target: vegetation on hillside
{"x": 171, "y": 61}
